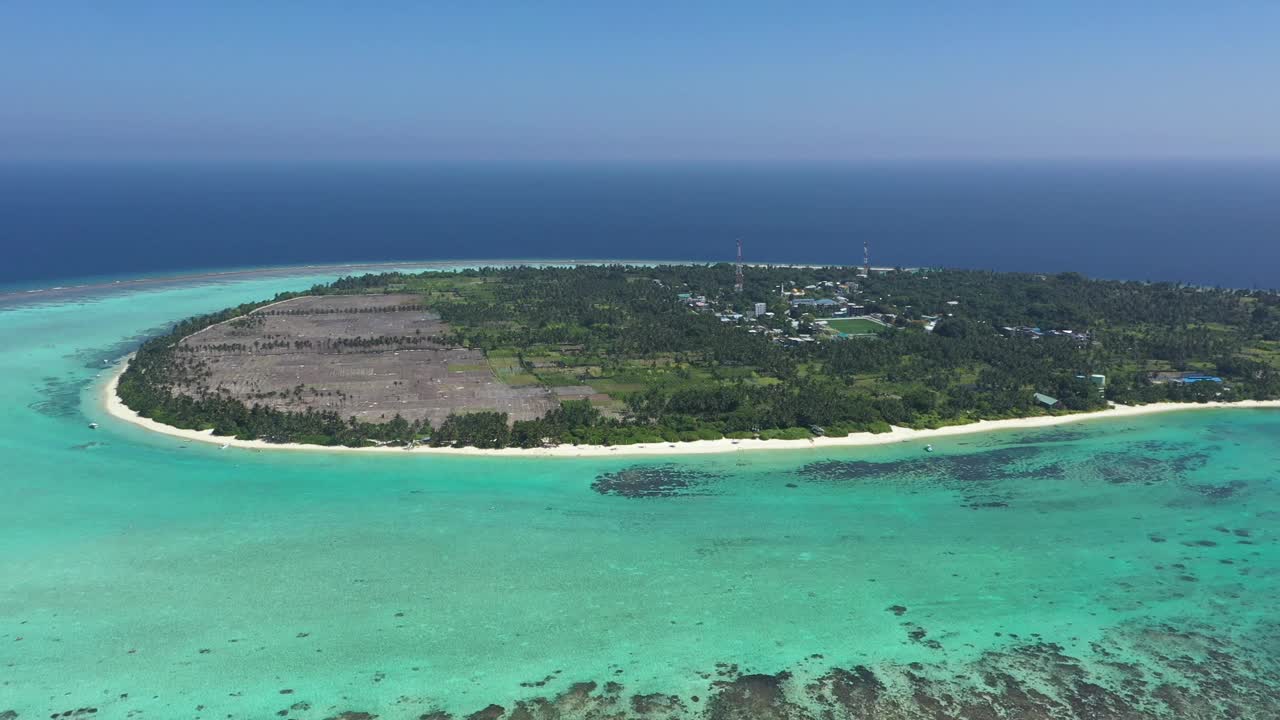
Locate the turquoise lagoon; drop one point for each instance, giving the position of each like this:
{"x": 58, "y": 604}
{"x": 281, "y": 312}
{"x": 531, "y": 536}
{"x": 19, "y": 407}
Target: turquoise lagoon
{"x": 1123, "y": 568}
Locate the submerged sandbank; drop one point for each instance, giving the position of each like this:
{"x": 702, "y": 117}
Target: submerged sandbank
{"x": 114, "y": 407}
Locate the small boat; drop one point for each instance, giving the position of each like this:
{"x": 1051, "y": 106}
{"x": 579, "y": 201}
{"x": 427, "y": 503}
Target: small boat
{"x": 225, "y": 446}
{"x": 928, "y": 448}
{"x": 93, "y": 426}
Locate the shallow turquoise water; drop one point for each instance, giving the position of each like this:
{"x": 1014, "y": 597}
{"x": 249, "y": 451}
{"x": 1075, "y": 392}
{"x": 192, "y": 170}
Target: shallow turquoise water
{"x": 1109, "y": 567}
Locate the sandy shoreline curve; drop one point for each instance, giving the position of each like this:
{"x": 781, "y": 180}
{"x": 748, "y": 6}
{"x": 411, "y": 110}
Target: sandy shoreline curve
{"x": 114, "y": 407}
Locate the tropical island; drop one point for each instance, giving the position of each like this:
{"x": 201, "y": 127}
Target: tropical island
{"x": 612, "y": 355}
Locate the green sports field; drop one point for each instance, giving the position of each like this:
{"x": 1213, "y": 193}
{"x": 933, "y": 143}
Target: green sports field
{"x": 855, "y": 326}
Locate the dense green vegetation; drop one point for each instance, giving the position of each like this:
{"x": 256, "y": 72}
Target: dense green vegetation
{"x": 959, "y": 348}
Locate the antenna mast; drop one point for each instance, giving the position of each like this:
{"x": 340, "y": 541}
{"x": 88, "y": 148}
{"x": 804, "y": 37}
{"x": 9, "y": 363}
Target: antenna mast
{"x": 738, "y": 280}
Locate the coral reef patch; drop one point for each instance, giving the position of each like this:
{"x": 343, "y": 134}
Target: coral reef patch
{"x": 651, "y": 481}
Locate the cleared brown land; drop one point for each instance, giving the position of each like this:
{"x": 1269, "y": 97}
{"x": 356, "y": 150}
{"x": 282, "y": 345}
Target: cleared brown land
{"x": 367, "y": 356}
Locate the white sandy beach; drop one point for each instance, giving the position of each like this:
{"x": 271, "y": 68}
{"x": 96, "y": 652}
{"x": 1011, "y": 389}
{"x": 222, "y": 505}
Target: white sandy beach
{"x": 117, "y": 409}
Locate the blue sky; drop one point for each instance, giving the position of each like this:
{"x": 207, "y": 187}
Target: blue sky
{"x": 643, "y": 82}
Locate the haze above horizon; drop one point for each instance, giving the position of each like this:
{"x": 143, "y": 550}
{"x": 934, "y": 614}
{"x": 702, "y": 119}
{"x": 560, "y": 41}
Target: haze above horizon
{"x": 660, "y": 83}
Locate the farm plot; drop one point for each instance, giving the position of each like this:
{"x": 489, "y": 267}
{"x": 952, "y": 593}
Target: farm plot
{"x": 364, "y": 356}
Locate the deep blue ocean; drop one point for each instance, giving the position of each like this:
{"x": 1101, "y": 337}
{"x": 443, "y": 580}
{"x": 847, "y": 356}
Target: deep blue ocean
{"x": 1212, "y": 224}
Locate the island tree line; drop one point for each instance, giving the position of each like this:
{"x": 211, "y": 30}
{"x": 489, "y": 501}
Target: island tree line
{"x": 689, "y": 359}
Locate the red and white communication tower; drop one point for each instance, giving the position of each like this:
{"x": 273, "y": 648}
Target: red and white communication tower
{"x": 738, "y": 281}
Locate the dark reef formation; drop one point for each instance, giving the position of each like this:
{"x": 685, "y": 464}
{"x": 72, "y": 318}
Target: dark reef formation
{"x": 1149, "y": 462}
{"x": 1001, "y": 464}
{"x": 1136, "y": 672}
{"x": 60, "y": 396}
{"x": 1058, "y": 434}
{"x": 982, "y": 478}
{"x": 648, "y": 481}
{"x": 1140, "y": 673}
